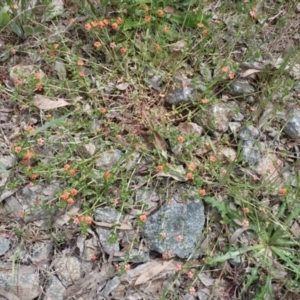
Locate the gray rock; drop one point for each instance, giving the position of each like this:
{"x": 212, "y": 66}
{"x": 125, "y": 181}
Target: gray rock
{"x": 106, "y": 214}
{"x": 217, "y": 118}
{"x": 67, "y": 269}
{"x": 55, "y": 290}
{"x": 4, "y": 245}
{"x": 60, "y": 69}
{"x": 8, "y": 161}
{"x": 24, "y": 73}
{"x": 155, "y": 82}
{"x": 181, "y": 95}
{"x": 109, "y": 215}
{"x": 87, "y": 150}
{"x": 297, "y": 87}
{"x": 23, "y": 281}
{"x": 249, "y": 133}
{"x": 234, "y": 126}
{"x": 108, "y": 159}
{"x": 240, "y": 87}
{"x": 176, "y": 219}
{"x": 292, "y": 125}
{"x": 268, "y": 167}
{"x": 188, "y": 128}
{"x": 250, "y": 153}
{"x": 238, "y": 117}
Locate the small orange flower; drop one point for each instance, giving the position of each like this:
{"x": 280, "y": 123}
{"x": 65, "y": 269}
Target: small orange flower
{"x": 212, "y": 158}
{"x": 106, "y": 21}
{"x": 33, "y": 176}
{"x": 81, "y": 219}
{"x": 123, "y": 50}
{"x": 100, "y": 24}
{"x": 114, "y": 26}
{"x": 217, "y": 21}
{"x": 119, "y": 21}
{"x": 28, "y": 154}
{"x": 94, "y": 23}
{"x": 160, "y": 12}
{"x": 204, "y": 31}
{"x": 160, "y": 168}
{"x": 18, "y": 149}
{"x": 74, "y": 192}
{"x": 192, "y": 167}
{"x": 97, "y": 44}
{"x": 39, "y": 87}
{"x": 245, "y": 223}
{"x": 166, "y": 29}
{"x": 156, "y": 47}
{"x": 253, "y": 14}
{"x": 88, "y": 220}
{"x": 231, "y": 75}
{"x": 178, "y": 267}
{"x": 72, "y": 172}
{"x": 29, "y": 128}
{"x": 127, "y": 267}
{"x": 147, "y": 18}
{"x": 223, "y": 172}
{"x": 179, "y": 238}
{"x": 87, "y": 26}
{"x": 190, "y": 274}
{"x": 65, "y": 195}
{"x": 52, "y": 54}
{"x": 246, "y": 210}
{"x": 56, "y": 46}
{"x": 225, "y": 69}
{"x": 189, "y": 176}
{"x": 103, "y": 110}
{"x": 107, "y": 175}
{"x": 200, "y": 25}
{"x": 70, "y": 201}
{"x": 48, "y": 116}
{"x": 15, "y": 6}
{"x": 72, "y": 21}
{"x": 180, "y": 139}
{"x": 146, "y": 8}
{"x": 204, "y": 101}
{"x": 282, "y": 192}
{"x": 202, "y": 192}
{"x": 81, "y": 74}
{"x": 80, "y": 63}
{"x": 143, "y": 218}
{"x": 67, "y": 167}
{"x": 38, "y": 76}
{"x": 94, "y": 257}
{"x": 13, "y": 51}
{"x": 119, "y": 136}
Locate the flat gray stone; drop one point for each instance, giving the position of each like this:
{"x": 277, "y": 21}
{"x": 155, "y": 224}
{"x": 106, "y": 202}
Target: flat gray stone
{"x": 188, "y": 128}
{"x": 22, "y": 282}
{"x": 108, "y": 159}
{"x": 67, "y": 269}
{"x": 4, "y": 245}
{"x": 109, "y": 215}
{"x": 249, "y": 133}
{"x": 176, "y": 219}
{"x": 240, "y": 87}
{"x": 250, "y": 153}
{"x": 55, "y": 290}
{"x": 292, "y": 125}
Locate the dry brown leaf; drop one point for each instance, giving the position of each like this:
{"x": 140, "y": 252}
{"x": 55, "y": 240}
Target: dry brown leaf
{"x": 250, "y": 72}
{"x": 159, "y": 141}
{"x": 45, "y": 103}
{"x": 153, "y": 269}
{"x": 121, "y": 226}
{"x": 178, "y": 46}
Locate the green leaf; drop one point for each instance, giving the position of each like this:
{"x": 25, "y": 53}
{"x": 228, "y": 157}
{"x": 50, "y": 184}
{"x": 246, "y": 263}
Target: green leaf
{"x": 222, "y": 208}
{"x": 17, "y": 30}
{"x": 39, "y": 29}
{"x": 4, "y": 16}
{"x": 50, "y": 124}
{"x": 29, "y": 30}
